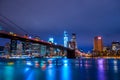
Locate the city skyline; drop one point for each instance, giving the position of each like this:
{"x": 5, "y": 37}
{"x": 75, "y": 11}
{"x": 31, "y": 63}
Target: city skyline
{"x": 97, "y": 43}
{"x": 85, "y": 18}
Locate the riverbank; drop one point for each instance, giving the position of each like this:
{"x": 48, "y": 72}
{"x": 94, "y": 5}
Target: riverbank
{"x": 105, "y": 57}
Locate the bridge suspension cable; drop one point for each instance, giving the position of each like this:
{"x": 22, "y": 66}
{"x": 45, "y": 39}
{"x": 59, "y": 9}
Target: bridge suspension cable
{"x": 19, "y": 27}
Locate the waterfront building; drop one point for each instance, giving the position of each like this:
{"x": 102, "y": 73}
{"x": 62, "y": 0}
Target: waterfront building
{"x": 98, "y": 44}
{"x": 115, "y": 46}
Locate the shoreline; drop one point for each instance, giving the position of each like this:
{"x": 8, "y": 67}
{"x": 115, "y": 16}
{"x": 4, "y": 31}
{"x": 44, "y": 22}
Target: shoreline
{"x": 104, "y": 57}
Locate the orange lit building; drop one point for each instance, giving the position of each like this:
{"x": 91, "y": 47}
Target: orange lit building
{"x": 98, "y": 45}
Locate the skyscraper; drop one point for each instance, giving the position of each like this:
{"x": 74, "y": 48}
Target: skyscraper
{"x": 73, "y": 43}
{"x": 51, "y": 39}
{"x": 65, "y": 39}
{"x": 98, "y": 45}
{"x": 73, "y": 40}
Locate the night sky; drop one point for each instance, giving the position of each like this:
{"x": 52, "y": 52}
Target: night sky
{"x": 49, "y": 18}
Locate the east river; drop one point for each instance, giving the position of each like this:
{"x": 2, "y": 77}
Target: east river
{"x": 60, "y": 69}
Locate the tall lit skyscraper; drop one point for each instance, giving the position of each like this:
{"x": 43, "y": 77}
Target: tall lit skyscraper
{"x": 65, "y": 39}
{"x": 98, "y": 44}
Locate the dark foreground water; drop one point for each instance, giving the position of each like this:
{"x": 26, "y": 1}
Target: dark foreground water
{"x": 60, "y": 69}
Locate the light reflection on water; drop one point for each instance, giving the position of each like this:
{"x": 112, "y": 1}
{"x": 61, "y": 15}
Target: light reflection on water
{"x": 30, "y": 75}
{"x": 101, "y": 67}
{"x": 115, "y": 66}
{"x": 51, "y": 74}
{"x": 60, "y": 69}
{"x": 9, "y": 72}
{"x": 65, "y": 70}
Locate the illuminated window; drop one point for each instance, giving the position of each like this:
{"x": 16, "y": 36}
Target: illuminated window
{"x": 99, "y": 37}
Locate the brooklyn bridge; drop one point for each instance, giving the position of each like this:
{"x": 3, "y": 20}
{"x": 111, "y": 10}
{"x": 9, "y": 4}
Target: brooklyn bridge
{"x": 17, "y": 36}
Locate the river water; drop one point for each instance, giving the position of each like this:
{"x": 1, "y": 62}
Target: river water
{"x": 60, "y": 69}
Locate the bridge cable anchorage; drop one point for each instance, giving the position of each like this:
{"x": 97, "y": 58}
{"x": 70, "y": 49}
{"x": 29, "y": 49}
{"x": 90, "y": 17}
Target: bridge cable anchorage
{"x": 14, "y": 24}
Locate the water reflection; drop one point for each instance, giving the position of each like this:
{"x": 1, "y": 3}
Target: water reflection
{"x": 9, "y": 73}
{"x": 10, "y": 63}
{"x": 101, "y": 73}
{"x": 115, "y": 66}
{"x": 65, "y": 71}
{"x": 27, "y": 69}
{"x": 37, "y": 64}
{"x": 100, "y": 65}
{"x": 43, "y": 65}
{"x": 65, "y": 62}
{"x": 50, "y": 74}
{"x": 62, "y": 69}
{"x": 30, "y": 75}
{"x": 86, "y": 64}
{"x": 29, "y": 63}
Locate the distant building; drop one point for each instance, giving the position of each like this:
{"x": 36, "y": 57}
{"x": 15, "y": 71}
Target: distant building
{"x": 7, "y": 48}
{"x": 107, "y": 48}
{"x": 65, "y": 39}
{"x": 35, "y": 47}
{"x": 73, "y": 43}
{"x": 19, "y": 48}
{"x": 115, "y": 46}
{"x": 1, "y": 48}
{"x": 73, "y": 40}
{"x": 51, "y": 39}
{"x": 98, "y": 44}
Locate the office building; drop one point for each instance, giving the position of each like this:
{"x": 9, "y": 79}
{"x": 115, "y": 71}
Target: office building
{"x": 73, "y": 42}
{"x": 98, "y": 44}
{"x": 51, "y": 39}
{"x": 115, "y": 46}
{"x": 65, "y": 39}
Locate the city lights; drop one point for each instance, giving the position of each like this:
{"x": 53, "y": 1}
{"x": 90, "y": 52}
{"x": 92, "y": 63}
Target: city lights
{"x": 29, "y": 63}
{"x": 60, "y": 40}
{"x": 99, "y": 37}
